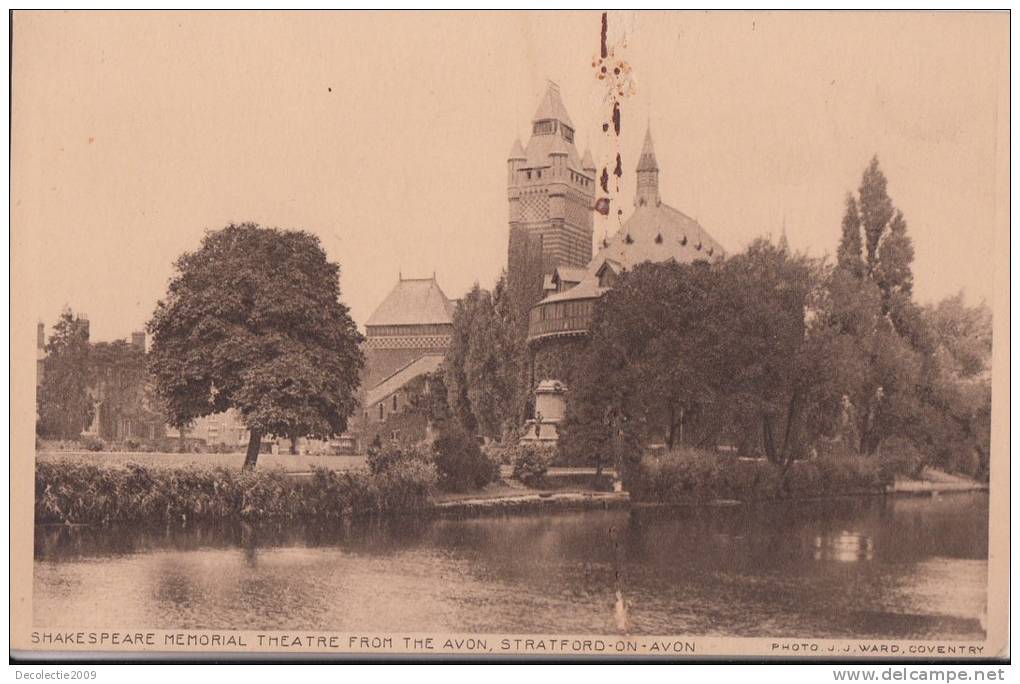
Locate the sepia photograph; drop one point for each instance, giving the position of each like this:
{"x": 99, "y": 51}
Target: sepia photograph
{"x": 502, "y": 335}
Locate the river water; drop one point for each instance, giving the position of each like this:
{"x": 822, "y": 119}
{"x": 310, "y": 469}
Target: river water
{"x": 867, "y": 568}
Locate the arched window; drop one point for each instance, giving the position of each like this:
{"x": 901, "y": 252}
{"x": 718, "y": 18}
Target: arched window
{"x": 394, "y": 403}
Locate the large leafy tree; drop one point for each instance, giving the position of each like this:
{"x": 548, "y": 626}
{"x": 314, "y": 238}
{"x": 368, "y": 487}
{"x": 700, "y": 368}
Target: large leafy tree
{"x": 64, "y": 404}
{"x": 652, "y": 366}
{"x": 253, "y": 321}
{"x": 682, "y": 352}
{"x": 872, "y": 370}
{"x": 958, "y": 397}
{"x": 769, "y": 373}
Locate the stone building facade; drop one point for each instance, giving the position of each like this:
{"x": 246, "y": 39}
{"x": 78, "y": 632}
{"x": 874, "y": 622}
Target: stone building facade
{"x": 550, "y": 190}
{"x": 406, "y": 338}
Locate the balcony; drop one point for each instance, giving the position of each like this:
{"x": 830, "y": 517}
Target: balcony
{"x": 545, "y": 322}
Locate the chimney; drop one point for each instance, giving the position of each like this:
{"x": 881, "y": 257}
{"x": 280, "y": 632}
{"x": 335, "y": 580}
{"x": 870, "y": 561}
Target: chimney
{"x": 40, "y": 336}
{"x": 138, "y": 340}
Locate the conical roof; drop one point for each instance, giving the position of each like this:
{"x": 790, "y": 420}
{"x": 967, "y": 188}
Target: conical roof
{"x": 517, "y": 151}
{"x": 587, "y": 163}
{"x": 647, "y": 162}
{"x": 552, "y": 107}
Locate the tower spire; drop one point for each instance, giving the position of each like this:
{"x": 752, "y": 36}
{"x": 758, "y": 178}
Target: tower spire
{"x": 647, "y": 174}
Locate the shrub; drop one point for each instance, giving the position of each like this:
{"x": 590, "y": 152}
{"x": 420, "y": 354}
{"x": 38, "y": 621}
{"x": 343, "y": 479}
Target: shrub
{"x": 681, "y": 475}
{"x": 531, "y": 462}
{"x": 460, "y": 463}
{"x": 131, "y": 444}
{"x": 849, "y": 474}
{"x": 899, "y": 456}
{"x": 92, "y": 443}
{"x": 499, "y": 453}
{"x": 802, "y": 480}
{"x": 381, "y": 460}
{"x": 687, "y": 475}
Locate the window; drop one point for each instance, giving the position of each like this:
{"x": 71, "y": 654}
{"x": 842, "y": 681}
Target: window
{"x": 381, "y": 410}
{"x": 394, "y": 403}
{"x": 568, "y": 133}
{"x": 539, "y": 173}
{"x": 529, "y": 175}
{"x": 544, "y": 127}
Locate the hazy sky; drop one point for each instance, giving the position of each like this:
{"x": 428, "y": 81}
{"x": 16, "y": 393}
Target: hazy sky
{"x": 387, "y": 135}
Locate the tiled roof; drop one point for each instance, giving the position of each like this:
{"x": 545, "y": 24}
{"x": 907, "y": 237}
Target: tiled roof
{"x": 657, "y": 233}
{"x": 420, "y": 366}
{"x": 540, "y": 147}
{"x": 552, "y": 107}
{"x": 414, "y": 302}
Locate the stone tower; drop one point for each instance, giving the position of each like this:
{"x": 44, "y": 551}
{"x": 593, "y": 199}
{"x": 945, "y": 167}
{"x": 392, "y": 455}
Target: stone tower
{"x": 551, "y": 192}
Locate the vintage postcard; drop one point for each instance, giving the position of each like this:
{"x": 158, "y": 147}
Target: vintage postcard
{"x": 677, "y": 335}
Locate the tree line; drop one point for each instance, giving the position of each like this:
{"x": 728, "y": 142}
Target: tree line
{"x": 769, "y": 352}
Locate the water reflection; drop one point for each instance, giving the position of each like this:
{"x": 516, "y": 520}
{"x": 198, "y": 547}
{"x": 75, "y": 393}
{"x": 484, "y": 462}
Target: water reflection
{"x": 857, "y": 567}
{"x": 846, "y": 547}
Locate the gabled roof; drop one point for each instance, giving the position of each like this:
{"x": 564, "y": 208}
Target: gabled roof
{"x": 569, "y": 274}
{"x": 588, "y": 288}
{"x": 420, "y": 366}
{"x": 610, "y": 264}
{"x": 413, "y": 302}
{"x": 552, "y": 107}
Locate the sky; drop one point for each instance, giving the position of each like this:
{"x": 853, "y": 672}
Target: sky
{"x": 386, "y": 134}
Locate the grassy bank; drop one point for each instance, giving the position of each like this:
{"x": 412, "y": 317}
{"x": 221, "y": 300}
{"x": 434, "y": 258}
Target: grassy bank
{"x": 90, "y": 493}
{"x": 693, "y": 476}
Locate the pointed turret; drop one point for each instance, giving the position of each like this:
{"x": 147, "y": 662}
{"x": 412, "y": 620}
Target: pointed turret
{"x": 517, "y": 151}
{"x": 647, "y": 175}
{"x": 647, "y": 161}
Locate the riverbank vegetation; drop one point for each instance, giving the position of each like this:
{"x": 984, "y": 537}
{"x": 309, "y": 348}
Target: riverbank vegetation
{"x": 691, "y": 476}
{"x": 89, "y": 493}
